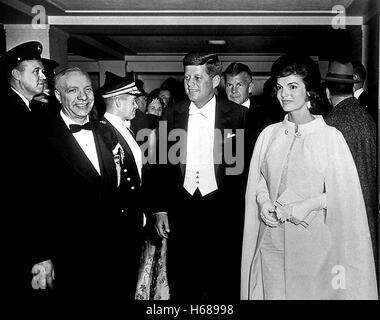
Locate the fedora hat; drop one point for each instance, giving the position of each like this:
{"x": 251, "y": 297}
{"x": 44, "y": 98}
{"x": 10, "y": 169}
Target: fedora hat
{"x": 115, "y": 85}
{"x": 340, "y": 72}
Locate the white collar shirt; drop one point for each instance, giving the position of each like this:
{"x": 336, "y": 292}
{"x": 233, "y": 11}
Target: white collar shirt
{"x": 246, "y": 103}
{"x": 86, "y": 141}
{"x": 358, "y": 92}
{"x": 122, "y": 127}
{"x": 200, "y": 172}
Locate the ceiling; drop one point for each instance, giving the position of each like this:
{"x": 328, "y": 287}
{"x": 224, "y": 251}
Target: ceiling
{"x": 110, "y": 29}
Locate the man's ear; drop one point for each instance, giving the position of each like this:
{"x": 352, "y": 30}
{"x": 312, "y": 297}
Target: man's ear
{"x": 58, "y": 95}
{"x": 250, "y": 88}
{"x": 215, "y": 81}
{"x": 328, "y": 93}
{"x": 16, "y": 74}
{"x": 117, "y": 102}
{"x": 356, "y": 77}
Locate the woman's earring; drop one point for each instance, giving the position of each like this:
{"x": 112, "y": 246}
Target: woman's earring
{"x": 308, "y": 104}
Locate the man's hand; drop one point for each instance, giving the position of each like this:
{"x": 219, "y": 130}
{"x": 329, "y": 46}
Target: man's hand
{"x": 43, "y": 275}
{"x": 162, "y": 224}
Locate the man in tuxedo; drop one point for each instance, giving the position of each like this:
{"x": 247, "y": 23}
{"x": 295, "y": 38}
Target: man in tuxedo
{"x": 85, "y": 233}
{"x": 202, "y": 191}
{"x": 261, "y": 113}
{"x": 23, "y": 70}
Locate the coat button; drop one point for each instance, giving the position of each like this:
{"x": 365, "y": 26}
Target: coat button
{"x": 128, "y": 179}
{"x": 286, "y": 131}
{"x": 125, "y": 170}
{"x": 133, "y": 188}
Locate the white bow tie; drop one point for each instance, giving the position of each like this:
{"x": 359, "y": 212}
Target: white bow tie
{"x": 194, "y": 110}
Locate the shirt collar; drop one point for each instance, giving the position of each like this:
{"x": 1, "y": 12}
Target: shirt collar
{"x": 208, "y": 108}
{"x": 69, "y": 121}
{"x": 113, "y": 119}
{"x": 305, "y": 128}
{"x": 246, "y": 103}
{"x": 358, "y": 92}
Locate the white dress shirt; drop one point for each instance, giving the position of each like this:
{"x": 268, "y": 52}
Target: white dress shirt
{"x": 358, "y": 92}
{"x": 119, "y": 124}
{"x": 86, "y": 141}
{"x": 246, "y": 103}
{"x": 200, "y": 172}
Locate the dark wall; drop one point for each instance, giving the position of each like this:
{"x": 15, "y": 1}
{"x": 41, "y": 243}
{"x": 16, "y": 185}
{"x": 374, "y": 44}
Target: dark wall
{"x": 373, "y": 59}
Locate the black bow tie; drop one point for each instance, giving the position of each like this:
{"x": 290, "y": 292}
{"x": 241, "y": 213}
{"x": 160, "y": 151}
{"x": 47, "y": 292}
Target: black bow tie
{"x": 77, "y": 127}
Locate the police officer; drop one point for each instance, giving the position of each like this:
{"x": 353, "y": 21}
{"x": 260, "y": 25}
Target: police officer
{"x": 23, "y": 70}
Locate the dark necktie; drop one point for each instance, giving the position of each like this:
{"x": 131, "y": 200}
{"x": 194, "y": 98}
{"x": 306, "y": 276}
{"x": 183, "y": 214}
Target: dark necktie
{"x": 78, "y": 127}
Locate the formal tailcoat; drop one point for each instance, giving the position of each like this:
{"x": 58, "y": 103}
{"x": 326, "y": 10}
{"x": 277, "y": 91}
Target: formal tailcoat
{"x": 198, "y": 246}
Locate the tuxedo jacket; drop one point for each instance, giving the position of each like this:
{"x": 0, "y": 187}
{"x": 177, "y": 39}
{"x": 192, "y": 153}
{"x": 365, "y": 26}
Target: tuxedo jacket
{"x": 202, "y": 228}
{"x": 81, "y": 214}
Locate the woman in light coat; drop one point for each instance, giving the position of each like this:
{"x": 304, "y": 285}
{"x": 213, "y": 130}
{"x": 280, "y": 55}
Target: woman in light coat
{"x": 306, "y": 233}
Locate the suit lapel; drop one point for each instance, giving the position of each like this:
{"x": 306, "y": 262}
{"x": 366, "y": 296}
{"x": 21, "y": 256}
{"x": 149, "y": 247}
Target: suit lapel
{"x": 222, "y": 119}
{"x": 181, "y": 120}
{"x": 65, "y": 144}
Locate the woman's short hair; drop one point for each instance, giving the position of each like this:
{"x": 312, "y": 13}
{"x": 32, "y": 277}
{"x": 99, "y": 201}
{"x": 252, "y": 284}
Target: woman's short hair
{"x": 307, "y": 69}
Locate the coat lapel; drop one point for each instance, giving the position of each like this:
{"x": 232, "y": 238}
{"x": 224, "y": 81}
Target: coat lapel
{"x": 222, "y": 118}
{"x": 65, "y": 144}
{"x": 181, "y": 120}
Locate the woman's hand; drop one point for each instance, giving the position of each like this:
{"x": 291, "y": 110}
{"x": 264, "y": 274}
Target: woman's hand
{"x": 268, "y": 214}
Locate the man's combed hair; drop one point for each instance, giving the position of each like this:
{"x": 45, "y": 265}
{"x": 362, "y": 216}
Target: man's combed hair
{"x": 211, "y": 60}
{"x": 64, "y": 72}
{"x": 236, "y": 68}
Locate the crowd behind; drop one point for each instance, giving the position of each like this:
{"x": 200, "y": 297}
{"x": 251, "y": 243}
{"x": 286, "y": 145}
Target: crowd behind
{"x": 87, "y": 215}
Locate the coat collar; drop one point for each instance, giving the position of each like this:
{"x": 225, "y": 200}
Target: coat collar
{"x": 222, "y": 110}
